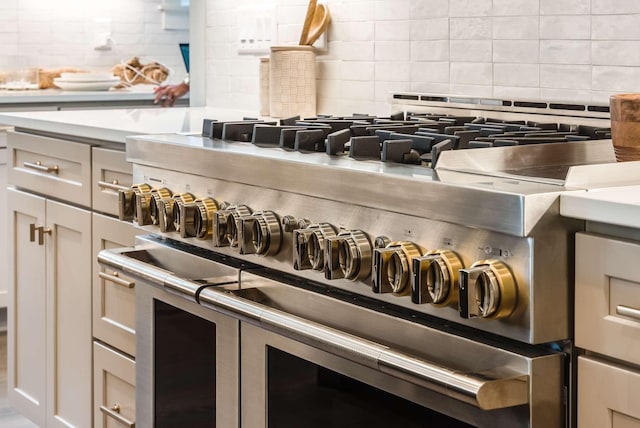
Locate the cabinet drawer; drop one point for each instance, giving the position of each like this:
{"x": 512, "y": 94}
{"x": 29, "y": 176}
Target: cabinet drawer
{"x": 114, "y": 388}
{"x": 608, "y": 296}
{"x": 52, "y": 167}
{"x": 608, "y": 395}
{"x": 113, "y": 296}
{"x": 109, "y": 171}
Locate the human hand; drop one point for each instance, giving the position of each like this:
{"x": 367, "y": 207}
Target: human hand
{"x": 168, "y": 94}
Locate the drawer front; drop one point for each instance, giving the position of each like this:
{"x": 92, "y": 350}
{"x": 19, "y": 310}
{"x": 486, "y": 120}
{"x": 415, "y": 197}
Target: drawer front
{"x": 608, "y": 296}
{"x": 114, "y": 388}
{"x": 49, "y": 166}
{"x": 607, "y": 395}
{"x": 113, "y": 296}
{"x": 110, "y": 171}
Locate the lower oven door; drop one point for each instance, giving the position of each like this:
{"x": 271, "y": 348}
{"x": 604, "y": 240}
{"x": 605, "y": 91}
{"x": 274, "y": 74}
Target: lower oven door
{"x": 309, "y": 359}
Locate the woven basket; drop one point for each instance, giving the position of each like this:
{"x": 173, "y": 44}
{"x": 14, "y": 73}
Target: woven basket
{"x": 292, "y": 81}
{"x": 264, "y": 87}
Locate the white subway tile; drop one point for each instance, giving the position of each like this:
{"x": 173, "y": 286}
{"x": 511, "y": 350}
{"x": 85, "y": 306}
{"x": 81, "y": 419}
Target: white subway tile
{"x": 357, "y": 70}
{"x": 352, "y": 31}
{"x": 470, "y": 50}
{"x": 471, "y": 73}
{"x": 470, "y": 28}
{"x": 356, "y": 51}
{"x": 430, "y": 29}
{"x": 565, "y": 27}
{"x": 391, "y": 10}
{"x": 432, "y": 50}
{"x": 329, "y": 69}
{"x": 392, "y": 30}
{"x": 516, "y": 51}
{"x": 613, "y": 78}
{"x": 525, "y": 75}
{"x": 392, "y": 51}
{"x": 565, "y": 7}
{"x": 470, "y": 8}
{"x": 515, "y": 7}
{"x": 431, "y": 88}
{"x": 573, "y": 95}
{"x": 615, "y": 27}
{"x": 512, "y": 92}
{"x": 616, "y": 52}
{"x": 431, "y": 72}
{"x": 357, "y": 90}
{"x": 393, "y": 71}
{"x": 471, "y": 90}
{"x": 604, "y": 7}
{"x": 565, "y": 76}
{"x": 425, "y": 9}
{"x": 351, "y": 11}
{"x": 601, "y": 97}
{"x": 516, "y": 27}
{"x": 565, "y": 51}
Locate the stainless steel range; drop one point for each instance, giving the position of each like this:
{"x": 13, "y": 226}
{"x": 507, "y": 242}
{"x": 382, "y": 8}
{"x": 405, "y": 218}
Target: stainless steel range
{"x": 354, "y": 258}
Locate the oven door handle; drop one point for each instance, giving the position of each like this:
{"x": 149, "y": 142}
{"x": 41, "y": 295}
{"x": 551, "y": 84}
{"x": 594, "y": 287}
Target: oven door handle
{"x": 487, "y": 390}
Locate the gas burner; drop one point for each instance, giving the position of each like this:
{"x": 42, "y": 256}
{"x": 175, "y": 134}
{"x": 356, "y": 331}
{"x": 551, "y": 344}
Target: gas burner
{"x": 409, "y": 138}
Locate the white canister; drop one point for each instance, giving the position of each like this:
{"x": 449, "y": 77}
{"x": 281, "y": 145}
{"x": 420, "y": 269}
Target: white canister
{"x": 292, "y": 78}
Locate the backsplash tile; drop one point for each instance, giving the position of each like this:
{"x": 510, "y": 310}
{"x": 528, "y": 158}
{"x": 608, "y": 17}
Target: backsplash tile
{"x": 567, "y": 50}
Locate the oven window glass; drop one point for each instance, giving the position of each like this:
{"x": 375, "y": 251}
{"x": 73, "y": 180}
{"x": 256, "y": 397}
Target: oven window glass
{"x": 185, "y": 369}
{"x": 301, "y": 393}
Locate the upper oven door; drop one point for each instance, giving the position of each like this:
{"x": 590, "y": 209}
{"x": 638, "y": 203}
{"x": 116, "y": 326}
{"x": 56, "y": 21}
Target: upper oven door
{"x": 312, "y": 360}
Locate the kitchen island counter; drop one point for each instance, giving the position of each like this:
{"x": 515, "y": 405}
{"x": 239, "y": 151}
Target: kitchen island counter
{"x": 618, "y": 206}
{"x": 115, "y": 125}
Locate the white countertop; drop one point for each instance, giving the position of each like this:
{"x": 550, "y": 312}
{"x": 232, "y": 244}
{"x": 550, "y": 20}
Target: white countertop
{"x": 117, "y": 124}
{"x": 614, "y": 205}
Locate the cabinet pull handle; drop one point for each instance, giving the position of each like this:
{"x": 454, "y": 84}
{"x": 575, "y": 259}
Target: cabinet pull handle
{"x": 32, "y": 232}
{"x": 112, "y": 186}
{"x": 114, "y": 412}
{"x": 116, "y": 280}
{"x": 41, "y": 232}
{"x": 40, "y": 167}
{"x": 628, "y": 312}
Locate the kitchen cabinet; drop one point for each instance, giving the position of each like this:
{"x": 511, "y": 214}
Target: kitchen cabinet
{"x": 114, "y": 377}
{"x": 55, "y": 233}
{"x": 49, "y": 350}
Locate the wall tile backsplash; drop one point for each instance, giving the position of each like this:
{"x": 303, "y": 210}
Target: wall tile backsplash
{"x": 65, "y": 33}
{"x": 569, "y": 50}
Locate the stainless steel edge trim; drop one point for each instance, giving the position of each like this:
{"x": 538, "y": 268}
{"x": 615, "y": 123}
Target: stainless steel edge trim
{"x": 483, "y": 391}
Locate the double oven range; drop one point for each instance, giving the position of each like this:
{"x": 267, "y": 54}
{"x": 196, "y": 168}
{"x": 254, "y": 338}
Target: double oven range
{"x": 291, "y": 278}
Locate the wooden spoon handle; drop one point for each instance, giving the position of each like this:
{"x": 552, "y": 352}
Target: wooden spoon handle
{"x": 321, "y": 20}
{"x": 307, "y": 21}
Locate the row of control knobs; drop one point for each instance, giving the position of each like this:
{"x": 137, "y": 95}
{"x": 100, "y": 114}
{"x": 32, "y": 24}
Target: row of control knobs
{"x": 486, "y": 289}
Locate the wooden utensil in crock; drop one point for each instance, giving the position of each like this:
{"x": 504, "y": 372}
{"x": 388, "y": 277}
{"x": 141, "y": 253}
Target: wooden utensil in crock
{"x": 311, "y": 9}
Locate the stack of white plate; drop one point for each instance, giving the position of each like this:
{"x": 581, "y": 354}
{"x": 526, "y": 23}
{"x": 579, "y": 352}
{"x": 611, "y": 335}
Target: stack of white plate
{"x": 86, "y": 81}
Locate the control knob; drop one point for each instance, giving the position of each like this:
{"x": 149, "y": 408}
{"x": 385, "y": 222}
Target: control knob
{"x": 224, "y": 225}
{"x": 435, "y": 278}
{"x": 348, "y": 255}
{"x": 196, "y": 218}
{"x": 171, "y": 216}
{"x": 309, "y": 246}
{"x": 392, "y": 267}
{"x": 127, "y": 201}
{"x": 487, "y": 290}
{"x": 259, "y": 233}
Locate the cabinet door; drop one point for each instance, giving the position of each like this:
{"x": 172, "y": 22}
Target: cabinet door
{"x": 608, "y": 395}
{"x": 113, "y": 296}
{"x": 69, "y": 357}
{"x": 114, "y": 379}
{"x": 4, "y": 242}
{"x": 26, "y": 310}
